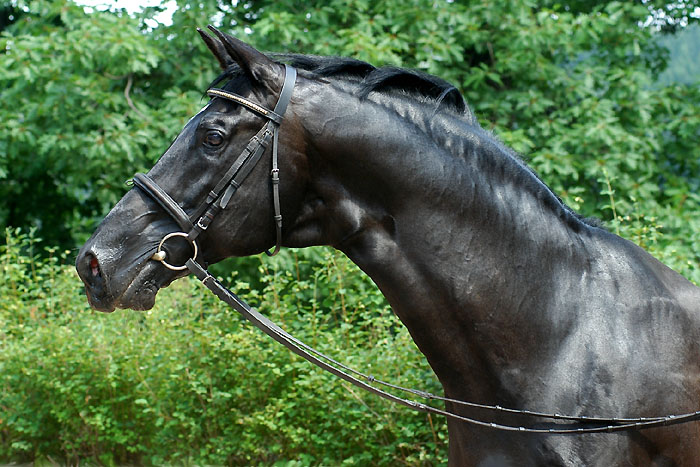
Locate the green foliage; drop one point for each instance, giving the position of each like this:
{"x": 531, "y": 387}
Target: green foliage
{"x": 78, "y": 116}
{"x": 570, "y": 85}
{"x": 91, "y": 98}
{"x": 190, "y": 382}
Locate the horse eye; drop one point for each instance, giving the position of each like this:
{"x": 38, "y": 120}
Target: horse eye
{"x": 213, "y": 138}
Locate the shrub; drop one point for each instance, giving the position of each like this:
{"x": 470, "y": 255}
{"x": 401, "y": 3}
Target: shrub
{"x": 191, "y": 382}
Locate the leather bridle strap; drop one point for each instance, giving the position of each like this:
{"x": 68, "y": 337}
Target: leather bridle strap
{"x": 220, "y": 196}
{"x": 281, "y": 107}
{"x": 274, "y": 120}
{"x": 591, "y": 424}
{"x": 153, "y": 190}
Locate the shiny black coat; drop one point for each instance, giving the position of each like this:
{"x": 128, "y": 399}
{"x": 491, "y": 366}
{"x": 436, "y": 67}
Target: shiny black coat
{"x": 513, "y": 299}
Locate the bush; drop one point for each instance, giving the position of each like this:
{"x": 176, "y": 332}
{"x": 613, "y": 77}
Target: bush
{"x": 191, "y": 382}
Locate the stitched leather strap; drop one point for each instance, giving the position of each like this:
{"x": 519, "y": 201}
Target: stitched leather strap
{"x": 147, "y": 184}
{"x": 259, "y": 109}
{"x": 290, "y": 77}
{"x": 219, "y": 197}
{"x": 594, "y": 424}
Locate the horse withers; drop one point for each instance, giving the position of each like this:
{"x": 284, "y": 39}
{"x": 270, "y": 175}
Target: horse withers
{"x": 513, "y": 298}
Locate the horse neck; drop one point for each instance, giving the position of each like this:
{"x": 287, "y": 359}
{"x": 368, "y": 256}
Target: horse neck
{"x": 457, "y": 233}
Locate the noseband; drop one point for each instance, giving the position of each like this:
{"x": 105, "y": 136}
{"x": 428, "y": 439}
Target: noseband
{"x": 220, "y": 196}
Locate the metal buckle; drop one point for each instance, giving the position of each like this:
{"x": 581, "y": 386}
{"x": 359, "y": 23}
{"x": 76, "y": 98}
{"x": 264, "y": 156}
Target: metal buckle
{"x": 200, "y": 225}
{"x": 160, "y": 254}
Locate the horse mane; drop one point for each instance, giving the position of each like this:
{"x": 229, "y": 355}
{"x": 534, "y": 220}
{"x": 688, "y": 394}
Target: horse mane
{"x": 400, "y": 81}
{"x": 385, "y": 79}
{"x": 371, "y": 79}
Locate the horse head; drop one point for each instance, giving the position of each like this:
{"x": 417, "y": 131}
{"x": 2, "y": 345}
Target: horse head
{"x": 210, "y": 153}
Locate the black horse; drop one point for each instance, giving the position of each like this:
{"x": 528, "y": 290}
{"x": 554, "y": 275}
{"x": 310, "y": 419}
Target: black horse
{"x": 512, "y": 297}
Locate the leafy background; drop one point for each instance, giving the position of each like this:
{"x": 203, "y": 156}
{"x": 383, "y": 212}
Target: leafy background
{"x": 600, "y": 97}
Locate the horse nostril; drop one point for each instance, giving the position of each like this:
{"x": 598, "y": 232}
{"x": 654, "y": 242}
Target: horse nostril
{"x": 94, "y": 265}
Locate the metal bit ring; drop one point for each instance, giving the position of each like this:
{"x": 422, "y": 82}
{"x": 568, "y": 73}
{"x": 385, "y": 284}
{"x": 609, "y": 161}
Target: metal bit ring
{"x": 160, "y": 254}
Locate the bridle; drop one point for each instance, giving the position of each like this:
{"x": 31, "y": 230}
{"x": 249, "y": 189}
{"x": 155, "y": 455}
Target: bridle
{"x": 220, "y": 196}
{"x": 217, "y": 200}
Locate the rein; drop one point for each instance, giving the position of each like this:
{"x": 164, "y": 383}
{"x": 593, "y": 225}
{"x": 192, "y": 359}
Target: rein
{"x": 217, "y": 200}
{"x": 603, "y": 425}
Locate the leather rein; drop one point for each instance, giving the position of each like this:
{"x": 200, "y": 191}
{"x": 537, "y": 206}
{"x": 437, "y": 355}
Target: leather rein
{"x": 219, "y": 197}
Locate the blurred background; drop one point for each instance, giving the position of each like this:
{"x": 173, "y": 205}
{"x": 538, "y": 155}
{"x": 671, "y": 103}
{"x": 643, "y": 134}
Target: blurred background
{"x": 601, "y": 98}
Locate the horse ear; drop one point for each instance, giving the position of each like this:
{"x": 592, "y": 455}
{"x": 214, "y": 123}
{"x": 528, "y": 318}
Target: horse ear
{"x": 218, "y": 49}
{"x": 255, "y": 64}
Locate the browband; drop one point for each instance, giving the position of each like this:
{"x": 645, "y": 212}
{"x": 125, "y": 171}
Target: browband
{"x": 272, "y": 115}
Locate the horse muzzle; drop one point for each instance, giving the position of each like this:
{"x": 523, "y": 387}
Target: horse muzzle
{"x": 108, "y": 287}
